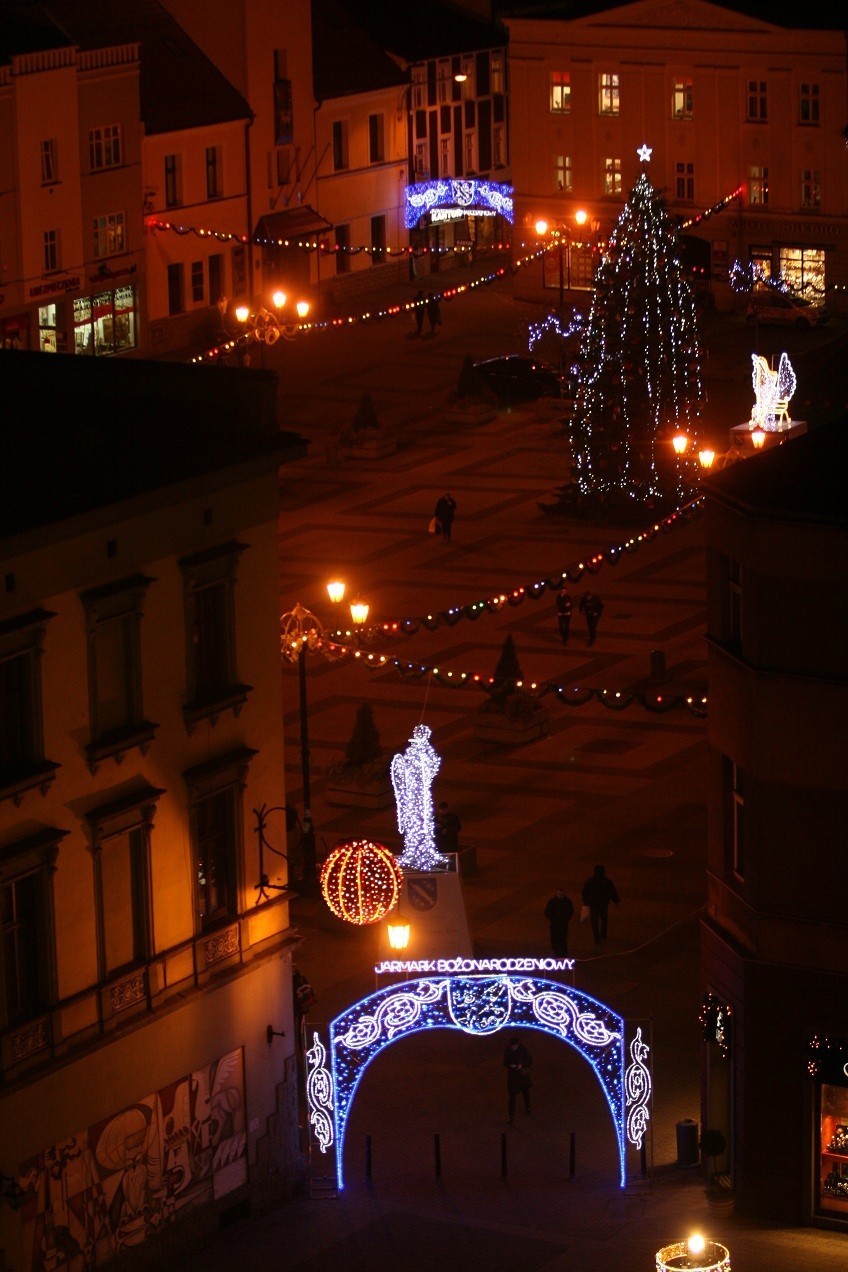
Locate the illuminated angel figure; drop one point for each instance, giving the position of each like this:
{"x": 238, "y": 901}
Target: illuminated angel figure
{"x": 773, "y": 391}
{"x": 413, "y": 771}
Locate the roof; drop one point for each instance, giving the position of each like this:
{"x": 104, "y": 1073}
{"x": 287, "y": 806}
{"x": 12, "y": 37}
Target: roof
{"x": 179, "y": 86}
{"x": 291, "y": 224}
{"x": 783, "y": 13}
{"x": 802, "y": 480}
{"x": 345, "y": 59}
{"x": 93, "y": 432}
{"x": 424, "y": 29}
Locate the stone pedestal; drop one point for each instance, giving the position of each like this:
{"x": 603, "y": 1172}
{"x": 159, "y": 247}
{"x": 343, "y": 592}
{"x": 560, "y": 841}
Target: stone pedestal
{"x": 741, "y": 445}
{"x": 431, "y": 902}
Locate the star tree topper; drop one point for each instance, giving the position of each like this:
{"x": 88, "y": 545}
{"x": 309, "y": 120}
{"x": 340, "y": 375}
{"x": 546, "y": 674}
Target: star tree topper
{"x": 644, "y": 152}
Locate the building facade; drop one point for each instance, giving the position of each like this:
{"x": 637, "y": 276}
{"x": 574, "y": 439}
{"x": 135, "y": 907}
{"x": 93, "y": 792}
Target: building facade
{"x": 773, "y": 940}
{"x": 745, "y": 120}
{"x": 146, "y": 943}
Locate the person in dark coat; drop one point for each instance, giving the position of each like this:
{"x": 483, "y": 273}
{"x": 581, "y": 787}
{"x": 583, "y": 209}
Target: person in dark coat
{"x": 420, "y": 305}
{"x": 598, "y": 891}
{"x": 444, "y": 514}
{"x": 591, "y": 607}
{"x": 559, "y": 912}
{"x": 517, "y": 1062}
{"x": 564, "y": 606}
{"x": 434, "y": 313}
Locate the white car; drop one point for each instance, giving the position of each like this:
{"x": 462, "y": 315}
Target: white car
{"x": 777, "y": 308}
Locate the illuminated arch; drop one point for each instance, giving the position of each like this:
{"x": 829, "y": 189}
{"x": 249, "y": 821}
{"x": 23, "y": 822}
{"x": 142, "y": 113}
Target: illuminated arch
{"x": 477, "y": 1004}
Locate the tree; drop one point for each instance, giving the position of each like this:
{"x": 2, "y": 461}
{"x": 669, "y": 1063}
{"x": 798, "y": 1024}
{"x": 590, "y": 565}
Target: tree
{"x": 639, "y": 379}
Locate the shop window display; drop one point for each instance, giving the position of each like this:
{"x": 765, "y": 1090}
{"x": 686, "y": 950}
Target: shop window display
{"x": 105, "y": 323}
{"x": 833, "y": 1174}
{"x": 47, "y": 335}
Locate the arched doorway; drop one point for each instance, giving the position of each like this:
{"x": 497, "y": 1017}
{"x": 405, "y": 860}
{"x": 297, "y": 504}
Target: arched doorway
{"x": 477, "y": 1004}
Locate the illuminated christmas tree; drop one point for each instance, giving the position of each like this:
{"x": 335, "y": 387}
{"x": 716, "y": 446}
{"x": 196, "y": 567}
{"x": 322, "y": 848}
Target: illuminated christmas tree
{"x": 639, "y": 382}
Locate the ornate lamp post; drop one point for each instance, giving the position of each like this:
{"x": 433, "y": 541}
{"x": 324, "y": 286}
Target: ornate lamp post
{"x": 563, "y": 238}
{"x": 300, "y": 632}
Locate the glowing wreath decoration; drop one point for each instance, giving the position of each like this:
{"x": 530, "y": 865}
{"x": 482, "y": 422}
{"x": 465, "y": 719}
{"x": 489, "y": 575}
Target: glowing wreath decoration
{"x": 360, "y": 881}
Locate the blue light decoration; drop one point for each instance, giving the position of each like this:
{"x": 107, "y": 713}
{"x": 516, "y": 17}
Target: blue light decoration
{"x": 553, "y": 323}
{"x": 412, "y": 773}
{"x": 463, "y": 193}
{"x": 319, "y": 1094}
{"x": 482, "y": 1005}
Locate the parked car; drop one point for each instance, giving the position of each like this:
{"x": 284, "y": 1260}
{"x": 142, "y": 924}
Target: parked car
{"x": 515, "y": 378}
{"x": 777, "y": 308}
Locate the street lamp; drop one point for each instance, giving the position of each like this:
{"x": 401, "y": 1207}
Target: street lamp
{"x": 698, "y": 1252}
{"x": 563, "y": 240}
{"x": 680, "y": 442}
{"x": 300, "y": 632}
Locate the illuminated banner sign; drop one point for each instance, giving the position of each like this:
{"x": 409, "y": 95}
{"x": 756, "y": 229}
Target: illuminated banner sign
{"x": 464, "y": 195}
{"x": 468, "y": 966}
{"x": 458, "y": 214}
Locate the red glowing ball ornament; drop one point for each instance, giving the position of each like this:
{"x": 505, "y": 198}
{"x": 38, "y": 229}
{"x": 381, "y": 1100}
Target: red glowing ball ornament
{"x": 360, "y": 881}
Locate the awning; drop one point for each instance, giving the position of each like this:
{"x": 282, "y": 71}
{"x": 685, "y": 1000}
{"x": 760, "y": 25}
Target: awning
{"x": 290, "y": 225}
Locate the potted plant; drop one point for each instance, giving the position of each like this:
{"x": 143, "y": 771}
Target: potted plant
{"x": 472, "y": 401}
{"x": 511, "y": 713}
{"x": 719, "y": 1192}
{"x": 361, "y": 779}
{"x": 366, "y": 438}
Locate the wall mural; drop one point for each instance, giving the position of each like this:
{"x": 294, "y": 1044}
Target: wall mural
{"x": 109, "y": 1187}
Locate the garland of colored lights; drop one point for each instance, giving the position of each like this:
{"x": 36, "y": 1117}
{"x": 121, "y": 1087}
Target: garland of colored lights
{"x": 412, "y": 772}
{"x": 315, "y": 245}
{"x": 391, "y": 311}
{"x": 713, "y": 211}
{"x": 483, "y": 1005}
{"x": 360, "y": 881}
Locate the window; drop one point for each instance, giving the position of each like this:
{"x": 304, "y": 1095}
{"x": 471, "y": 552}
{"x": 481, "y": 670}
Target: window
{"x": 216, "y": 277}
{"x": 27, "y": 968}
{"x": 758, "y": 185}
{"x": 376, "y": 146}
{"x": 562, "y": 173}
{"x": 498, "y": 73}
{"x": 378, "y": 239}
{"x": 104, "y": 147}
{"x": 216, "y": 819}
{"x": 421, "y": 160}
{"x": 48, "y": 324}
{"x": 283, "y": 114}
{"x": 685, "y": 182}
{"x": 757, "y": 101}
{"x": 49, "y": 161}
{"x": 608, "y": 103}
{"x": 113, "y": 629}
{"x": 612, "y": 176}
{"x": 810, "y": 189}
{"x": 445, "y": 117}
{"x": 804, "y": 270}
{"x": 737, "y": 817}
{"x": 214, "y": 180}
{"x": 109, "y": 234}
{"x": 498, "y": 146}
{"x": 120, "y": 833}
{"x": 561, "y": 92}
{"x": 197, "y": 281}
{"x": 808, "y": 104}
{"x": 176, "y": 289}
{"x": 444, "y": 157}
{"x": 470, "y": 151}
{"x": 105, "y": 323}
{"x": 209, "y": 580}
{"x": 681, "y": 100}
{"x": 52, "y": 251}
{"x": 173, "y": 181}
{"x": 340, "y": 146}
{"x": 342, "y": 249}
{"x": 22, "y": 762}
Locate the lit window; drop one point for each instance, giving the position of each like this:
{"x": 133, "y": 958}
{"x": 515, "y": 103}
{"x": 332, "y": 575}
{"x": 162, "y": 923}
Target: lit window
{"x": 808, "y": 104}
{"x": 498, "y": 75}
{"x": 681, "y": 100}
{"x": 758, "y": 185}
{"x": 810, "y": 189}
{"x": 561, "y": 92}
{"x": 216, "y": 827}
{"x": 757, "y": 101}
{"x": 109, "y": 234}
{"x": 562, "y": 173}
{"x": 608, "y": 101}
{"x": 104, "y": 147}
{"x": 685, "y": 182}
{"x": 612, "y": 176}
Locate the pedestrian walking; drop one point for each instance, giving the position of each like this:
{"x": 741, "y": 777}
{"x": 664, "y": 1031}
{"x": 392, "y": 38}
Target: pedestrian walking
{"x": 420, "y": 301}
{"x": 591, "y": 607}
{"x": 517, "y": 1062}
{"x": 444, "y": 514}
{"x": 559, "y": 912}
{"x": 434, "y": 313}
{"x": 598, "y": 892}
{"x": 447, "y": 829}
{"x": 564, "y": 606}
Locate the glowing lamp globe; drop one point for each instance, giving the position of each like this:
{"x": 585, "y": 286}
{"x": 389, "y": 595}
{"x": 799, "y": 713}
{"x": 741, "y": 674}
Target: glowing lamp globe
{"x": 336, "y": 591}
{"x": 302, "y": 308}
{"x": 541, "y": 228}
{"x": 680, "y": 442}
{"x": 279, "y": 299}
{"x": 360, "y": 881}
{"x": 706, "y": 458}
{"x": 398, "y": 934}
{"x": 758, "y": 437}
{"x": 581, "y": 216}
{"x": 242, "y": 313}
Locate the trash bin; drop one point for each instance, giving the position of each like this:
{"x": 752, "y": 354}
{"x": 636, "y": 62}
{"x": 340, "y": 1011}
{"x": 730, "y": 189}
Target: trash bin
{"x": 687, "y": 1143}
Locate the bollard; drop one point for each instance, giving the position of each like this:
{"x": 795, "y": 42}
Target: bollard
{"x": 368, "y": 1157}
{"x": 437, "y": 1152}
{"x": 643, "y": 1157}
{"x": 572, "y": 1155}
{"x": 503, "y": 1154}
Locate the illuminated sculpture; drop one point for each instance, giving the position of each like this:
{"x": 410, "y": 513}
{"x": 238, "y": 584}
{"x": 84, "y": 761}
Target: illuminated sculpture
{"x": 773, "y": 391}
{"x": 413, "y": 771}
{"x": 360, "y": 881}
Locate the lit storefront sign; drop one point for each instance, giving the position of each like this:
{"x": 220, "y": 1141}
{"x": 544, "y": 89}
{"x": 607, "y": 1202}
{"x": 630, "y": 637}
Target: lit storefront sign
{"x": 466, "y": 197}
{"x": 458, "y": 214}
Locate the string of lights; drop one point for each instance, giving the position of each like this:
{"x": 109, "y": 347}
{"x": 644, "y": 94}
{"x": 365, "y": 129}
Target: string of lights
{"x": 371, "y": 315}
{"x": 556, "y": 326}
{"x": 323, "y": 245}
{"x": 714, "y": 210}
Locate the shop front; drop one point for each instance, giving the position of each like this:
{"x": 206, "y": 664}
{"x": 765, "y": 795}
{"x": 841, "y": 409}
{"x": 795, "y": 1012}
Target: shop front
{"x": 803, "y": 256}
{"x": 107, "y": 322}
{"x": 828, "y": 1066}
{"x": 448, "y": 216}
